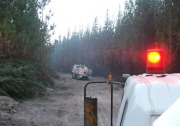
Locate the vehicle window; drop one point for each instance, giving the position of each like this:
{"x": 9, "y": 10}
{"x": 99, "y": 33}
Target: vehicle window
{"x": 124, "y": 114}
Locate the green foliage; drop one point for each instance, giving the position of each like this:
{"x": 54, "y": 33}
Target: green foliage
{"x": 23, "y": 34}
{"x": 24, "y": 37}
{"x": 22, "y": 79}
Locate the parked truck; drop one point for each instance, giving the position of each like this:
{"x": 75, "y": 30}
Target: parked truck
{"x": 81, "y": 72}
{"x": 148, "y": 96}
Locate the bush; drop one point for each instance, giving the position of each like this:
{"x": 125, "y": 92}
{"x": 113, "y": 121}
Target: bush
{"x": 23, "y": 79}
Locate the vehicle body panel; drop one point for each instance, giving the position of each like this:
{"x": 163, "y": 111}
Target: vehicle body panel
{"x": 146, "y": 97}
{"x": 171, "y": 117}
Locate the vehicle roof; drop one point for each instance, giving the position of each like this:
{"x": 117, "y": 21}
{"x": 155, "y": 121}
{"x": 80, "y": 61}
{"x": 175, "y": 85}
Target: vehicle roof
{"x": 154, "y": 93}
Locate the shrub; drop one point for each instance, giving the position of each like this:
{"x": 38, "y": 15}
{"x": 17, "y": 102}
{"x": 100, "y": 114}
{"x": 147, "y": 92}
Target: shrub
{"x": 23, "y": 79}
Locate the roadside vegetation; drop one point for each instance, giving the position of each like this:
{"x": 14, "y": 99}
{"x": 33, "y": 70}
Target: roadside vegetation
{"x": 25, "y": 48}
{"x": 23, "y": 79}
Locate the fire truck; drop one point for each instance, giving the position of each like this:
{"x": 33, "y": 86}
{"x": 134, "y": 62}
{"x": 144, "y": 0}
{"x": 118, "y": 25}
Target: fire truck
{"x": 149, "y": 96}
{"x": 81, "y": 72}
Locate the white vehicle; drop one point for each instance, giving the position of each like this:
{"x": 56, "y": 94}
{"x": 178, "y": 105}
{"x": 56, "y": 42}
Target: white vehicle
{"x": 147, "y": 96}
{"x": 81, "y": 72}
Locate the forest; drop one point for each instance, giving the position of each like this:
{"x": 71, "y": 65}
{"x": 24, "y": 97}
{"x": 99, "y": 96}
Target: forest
{"x": 119, "y": 46}
{"x": 25, "y": 48}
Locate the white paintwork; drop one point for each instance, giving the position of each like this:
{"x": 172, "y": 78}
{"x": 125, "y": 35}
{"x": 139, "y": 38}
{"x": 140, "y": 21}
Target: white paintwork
{"x": 147, "y": 98}
{"x": 171, "y": 117}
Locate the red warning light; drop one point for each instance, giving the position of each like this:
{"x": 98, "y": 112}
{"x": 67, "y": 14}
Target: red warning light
{"x": 155, "y": 61}
{"x": 154, "y": 57}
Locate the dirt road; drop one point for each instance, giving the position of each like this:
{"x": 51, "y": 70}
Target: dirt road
{"x": 64, "y": 105}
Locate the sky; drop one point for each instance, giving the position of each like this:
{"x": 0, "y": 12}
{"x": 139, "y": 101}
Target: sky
{"x": 71, "y": 15}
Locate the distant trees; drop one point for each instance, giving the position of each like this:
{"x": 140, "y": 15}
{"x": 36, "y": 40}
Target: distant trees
{"x": 120, "y": 46}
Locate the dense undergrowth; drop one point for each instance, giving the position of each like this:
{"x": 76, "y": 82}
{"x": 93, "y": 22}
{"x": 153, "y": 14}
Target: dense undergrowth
{"x": 22, "y": 79}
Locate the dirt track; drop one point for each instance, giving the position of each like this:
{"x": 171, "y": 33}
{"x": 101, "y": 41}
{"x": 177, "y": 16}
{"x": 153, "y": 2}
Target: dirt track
{"x": 64, "y": 105}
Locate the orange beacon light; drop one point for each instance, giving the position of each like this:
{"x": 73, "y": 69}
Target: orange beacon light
{"x": 155, "y": 61}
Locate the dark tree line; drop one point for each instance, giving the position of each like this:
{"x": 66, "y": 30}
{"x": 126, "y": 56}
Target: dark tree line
{"x": 25, "y": 48}
{"x": 120, "y": 46}
{"x": 23, "y": 32}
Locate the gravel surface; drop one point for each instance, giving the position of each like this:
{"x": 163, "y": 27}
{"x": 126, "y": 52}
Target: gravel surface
{"x": 63, "y": 105}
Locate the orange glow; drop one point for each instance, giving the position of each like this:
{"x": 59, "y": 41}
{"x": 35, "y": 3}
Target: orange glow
{"x": 81, "y": 71}
{"x": 154, "y": 57}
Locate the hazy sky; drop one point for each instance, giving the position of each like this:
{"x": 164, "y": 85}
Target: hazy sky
{"x": 71, "y": 14}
